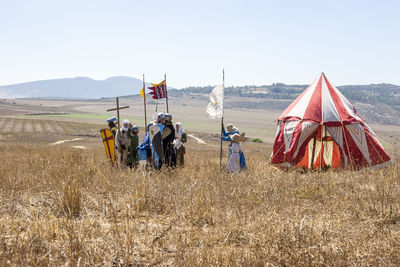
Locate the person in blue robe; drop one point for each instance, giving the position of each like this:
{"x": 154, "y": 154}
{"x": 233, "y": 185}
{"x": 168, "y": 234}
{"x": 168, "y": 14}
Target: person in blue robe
{"x": 148, "y": 147}
{"x": 145, "y": 148}
{"x": 226, "y": 137}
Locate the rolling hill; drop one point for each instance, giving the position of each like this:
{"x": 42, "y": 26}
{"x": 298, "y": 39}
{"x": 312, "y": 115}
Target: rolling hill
{"x": 379, "y": 103}
{"x": 78, "y": 87}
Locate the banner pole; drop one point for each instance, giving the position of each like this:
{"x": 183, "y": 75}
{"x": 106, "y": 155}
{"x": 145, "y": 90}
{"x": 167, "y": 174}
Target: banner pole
{"x": 222, "y": 119}
{"x": 220, "y": 152}
{"x": 166, "y": 91}
{"x": 144, "y": 100}
{"x": 119, "y": 122}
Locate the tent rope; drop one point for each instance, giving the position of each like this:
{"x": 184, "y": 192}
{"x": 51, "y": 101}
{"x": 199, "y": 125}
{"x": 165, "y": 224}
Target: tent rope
{"x": 273, "y": 155}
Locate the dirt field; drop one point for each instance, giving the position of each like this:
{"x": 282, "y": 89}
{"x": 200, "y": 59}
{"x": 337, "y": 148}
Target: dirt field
{"x": 63, "y": 205}
{"x": 191, "y": 112}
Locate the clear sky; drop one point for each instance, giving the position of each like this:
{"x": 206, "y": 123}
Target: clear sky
{"x": 257, "y": 42}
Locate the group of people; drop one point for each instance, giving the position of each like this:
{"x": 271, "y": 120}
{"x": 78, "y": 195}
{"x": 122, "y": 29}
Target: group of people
{"x": 126, "y": 141}
{"x": 167, "y": 150}
{"x": 171, "y": 149}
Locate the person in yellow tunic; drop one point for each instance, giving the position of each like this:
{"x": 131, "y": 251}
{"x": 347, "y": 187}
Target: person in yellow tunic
{"x": 112, "y": 124}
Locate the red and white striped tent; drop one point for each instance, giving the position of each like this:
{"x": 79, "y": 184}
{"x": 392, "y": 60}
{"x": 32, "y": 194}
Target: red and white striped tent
{"x": 321, "y": 129}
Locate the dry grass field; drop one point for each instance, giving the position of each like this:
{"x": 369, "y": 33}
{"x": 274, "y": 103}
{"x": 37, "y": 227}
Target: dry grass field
{"x": 66, "y": 206}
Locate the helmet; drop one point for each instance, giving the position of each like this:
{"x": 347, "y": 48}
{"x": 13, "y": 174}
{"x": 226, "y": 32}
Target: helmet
{"x": 167, "y": 117}
{"x": 113, "y": 119}
{"x": 158, "y": 116}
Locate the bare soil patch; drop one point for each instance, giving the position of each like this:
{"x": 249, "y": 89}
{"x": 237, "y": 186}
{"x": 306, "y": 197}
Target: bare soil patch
{"x": 47, "y": 113}
{"x": 198, "y": 140}
{"x": 66, "y": 140}
{"x": 79, "y": 147}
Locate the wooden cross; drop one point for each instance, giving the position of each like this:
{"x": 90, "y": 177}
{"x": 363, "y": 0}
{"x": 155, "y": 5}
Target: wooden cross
{"x": 117, "y": 109}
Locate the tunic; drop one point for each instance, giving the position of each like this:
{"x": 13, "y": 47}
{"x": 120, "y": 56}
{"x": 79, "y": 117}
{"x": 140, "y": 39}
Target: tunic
{"x": 234, "y": 158}
{"x": 168, "y": 137}
{"x": 122, "y": 144}
{"x": 133, "y": 154}
{"x": 226, "y": 136}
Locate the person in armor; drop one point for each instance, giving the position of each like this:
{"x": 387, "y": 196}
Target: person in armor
{"x": 179, "y": 143}
{"x": 122, "y": 143}
{"x": 168, "y": 137}
{"x": 157, "y": 117}
{"x": 133, "y": 157}
{"x": 112, "y": 124}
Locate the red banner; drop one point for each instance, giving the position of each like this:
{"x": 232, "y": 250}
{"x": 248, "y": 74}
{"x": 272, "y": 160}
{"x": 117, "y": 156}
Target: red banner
{"x": 159, "y": 90}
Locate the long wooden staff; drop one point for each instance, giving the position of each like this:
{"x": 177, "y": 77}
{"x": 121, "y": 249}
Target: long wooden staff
{"x": 144, "y": 100}
{"x": 222, "y": 119}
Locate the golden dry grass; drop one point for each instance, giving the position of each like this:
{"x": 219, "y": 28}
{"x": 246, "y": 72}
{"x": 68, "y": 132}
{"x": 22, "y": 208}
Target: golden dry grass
{"x": 60, "y": 205}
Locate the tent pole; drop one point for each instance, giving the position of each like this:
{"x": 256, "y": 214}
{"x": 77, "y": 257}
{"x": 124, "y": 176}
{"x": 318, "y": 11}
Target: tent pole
{"x": 322, "y": 146}
{"x": 313, "y": 150}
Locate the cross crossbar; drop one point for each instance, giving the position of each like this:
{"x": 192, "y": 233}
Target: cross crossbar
{"x": 117, "y": 108}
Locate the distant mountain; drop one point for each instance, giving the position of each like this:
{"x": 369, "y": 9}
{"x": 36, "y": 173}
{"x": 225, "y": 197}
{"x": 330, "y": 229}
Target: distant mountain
{"x": 78, "y": 87}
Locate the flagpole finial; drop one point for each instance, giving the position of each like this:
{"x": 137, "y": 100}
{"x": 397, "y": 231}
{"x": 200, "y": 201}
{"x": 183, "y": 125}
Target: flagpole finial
{"x": 223, "y": 76}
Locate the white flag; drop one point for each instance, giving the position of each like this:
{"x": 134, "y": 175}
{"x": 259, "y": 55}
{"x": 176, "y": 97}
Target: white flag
{"x": 216, "y": 106}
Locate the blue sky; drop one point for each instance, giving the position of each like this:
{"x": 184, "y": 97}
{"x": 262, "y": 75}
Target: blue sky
{"x": 257, "y": 42}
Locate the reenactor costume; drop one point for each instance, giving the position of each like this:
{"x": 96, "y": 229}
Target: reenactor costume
{"x": 168, "y": 137}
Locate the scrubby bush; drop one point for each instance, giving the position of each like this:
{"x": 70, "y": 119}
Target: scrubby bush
{"x": 256, "y": 140}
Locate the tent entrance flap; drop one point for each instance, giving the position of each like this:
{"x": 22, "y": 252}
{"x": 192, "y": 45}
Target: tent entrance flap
{"x": 327, "y": 153}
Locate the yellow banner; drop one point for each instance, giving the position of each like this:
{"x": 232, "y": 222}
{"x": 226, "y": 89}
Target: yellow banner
{"x": 161, "y": 83}
{"x": 142, "y": 92}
